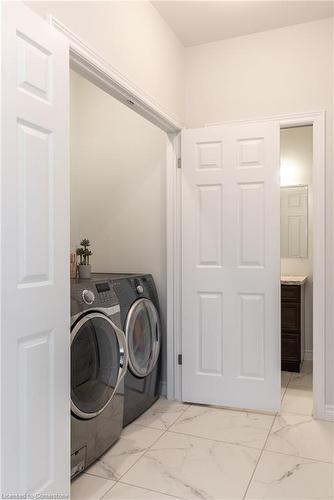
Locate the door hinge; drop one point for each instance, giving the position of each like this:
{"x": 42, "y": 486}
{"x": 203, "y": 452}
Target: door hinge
{"x": 179, "y": 359}
{"x": 179, "y": 163}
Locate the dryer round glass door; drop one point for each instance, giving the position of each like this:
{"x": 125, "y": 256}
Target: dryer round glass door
{"x": 143, "y": 333}
{"x": 96, "y": 357}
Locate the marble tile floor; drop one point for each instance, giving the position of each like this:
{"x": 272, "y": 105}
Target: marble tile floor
{"x": 198, "y": 452}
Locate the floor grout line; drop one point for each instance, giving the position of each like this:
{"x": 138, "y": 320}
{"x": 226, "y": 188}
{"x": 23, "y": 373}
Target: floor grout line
{"x": 119, "y": 479}
{"x": 242, "y": 445}
{"x": 134, "y": 463}
{"x": 159, "y": 428}
{"x": 96, "y": 475}
{"x": 286, "y": 387}
{"x": 154, "y": 442}
{"x": 141, "y": 456}
{"x": 257, "y": 463}
{"x": 84, "y": 473}
{"x": 294, "y": 376}
{"x": 162, "y": 431}
{"x": 282, "y": 396}
{"x": 143, "y": 452}
{"x": 103, "y": 496}
{"x": 150, "y": 489}
{"x": 298, "y": 456}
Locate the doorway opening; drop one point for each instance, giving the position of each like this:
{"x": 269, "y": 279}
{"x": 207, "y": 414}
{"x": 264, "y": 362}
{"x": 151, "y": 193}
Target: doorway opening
{"x": 118, "y": 187}
{"x": 296, "y": 192}
{"x": 118, "y": 203}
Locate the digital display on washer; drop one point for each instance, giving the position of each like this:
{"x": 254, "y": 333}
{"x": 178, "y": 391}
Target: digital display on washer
{"x": 102, "y": 287}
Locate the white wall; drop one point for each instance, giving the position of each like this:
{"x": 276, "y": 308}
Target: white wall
{"x": 274, "y": 72}
{"x": 132, "y": 37}
{"x": 280, "y": 71}
{"x": 297, "y": 153}
{"x": 118, "y": 185}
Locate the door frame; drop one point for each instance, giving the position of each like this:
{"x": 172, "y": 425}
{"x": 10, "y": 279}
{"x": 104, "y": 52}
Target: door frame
{"x": 92, "y": 66}
{"x": 96, "y": 69}
{"x": 317, "y": 120}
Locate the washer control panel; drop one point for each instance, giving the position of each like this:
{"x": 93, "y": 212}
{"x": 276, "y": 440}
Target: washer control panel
{"x": 88, "y": 297}
{"x": 93, "y": 294}
{"x": 105, "y": 292}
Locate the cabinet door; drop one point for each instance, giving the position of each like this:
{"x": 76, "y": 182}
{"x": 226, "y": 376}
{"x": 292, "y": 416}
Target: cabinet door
{"x": 290, "y": 347}
{"x": 290, "y": 317}
{"x": 290, "y": 293}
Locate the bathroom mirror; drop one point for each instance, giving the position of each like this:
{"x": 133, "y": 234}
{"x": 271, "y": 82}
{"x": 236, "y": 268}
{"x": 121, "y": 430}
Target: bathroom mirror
{"x": 294, "y": 222}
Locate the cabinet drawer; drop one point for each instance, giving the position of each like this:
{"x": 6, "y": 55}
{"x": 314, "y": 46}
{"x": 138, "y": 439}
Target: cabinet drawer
{"x": 290, "y": 347}
{"x": 290, "y": 317}
{"x": 290, "y": 293}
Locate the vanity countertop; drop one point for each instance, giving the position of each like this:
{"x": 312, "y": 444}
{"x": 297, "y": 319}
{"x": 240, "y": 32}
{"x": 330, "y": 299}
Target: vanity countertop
{"x": 293, "y": 280}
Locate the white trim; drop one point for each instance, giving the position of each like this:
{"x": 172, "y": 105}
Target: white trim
{"x": 2, "y": 481}
{"x": 173, "y": 268}
{"x": 96, "y": 69}
{"x": 317, "y": 120}
{"x": 289, "y": 120}
{"x": 308, "y": 355}
{"x": 329, "y": 413}
{"x": 163, "y": 388}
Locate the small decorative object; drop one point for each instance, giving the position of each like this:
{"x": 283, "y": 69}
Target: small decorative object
{"x": 84, "y": 254}
{"x": 73, "y": 265}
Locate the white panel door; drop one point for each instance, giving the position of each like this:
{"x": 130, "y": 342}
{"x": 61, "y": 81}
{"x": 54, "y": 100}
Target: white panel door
{"x": 231, "y": 266}
{"x": 294, "y": 214}
{"x": 35, "y": 415}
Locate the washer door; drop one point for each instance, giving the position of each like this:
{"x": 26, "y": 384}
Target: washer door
{"x": 143, "y": 333}
{"x": 98, "y": 363}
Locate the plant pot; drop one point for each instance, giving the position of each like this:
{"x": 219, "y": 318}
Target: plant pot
{"x": 84, "y": 271}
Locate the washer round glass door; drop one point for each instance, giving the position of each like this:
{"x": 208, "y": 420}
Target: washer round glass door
{"x": 96, "y": 358}
{"x": 143, "y": 333}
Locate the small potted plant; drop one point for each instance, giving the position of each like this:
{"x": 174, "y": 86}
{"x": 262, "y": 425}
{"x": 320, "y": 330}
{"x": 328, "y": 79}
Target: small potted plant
{"x": 84, "y": 254}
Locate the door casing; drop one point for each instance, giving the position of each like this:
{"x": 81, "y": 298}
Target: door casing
{"x": 92, "y": 66}
{"x": 317, "y": 121}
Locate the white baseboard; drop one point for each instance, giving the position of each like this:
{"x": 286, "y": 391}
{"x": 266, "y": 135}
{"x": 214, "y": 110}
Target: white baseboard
{"x": 329, "y": 412}
{"x": 308, "y": 355}
{"x": 163, "y": 388}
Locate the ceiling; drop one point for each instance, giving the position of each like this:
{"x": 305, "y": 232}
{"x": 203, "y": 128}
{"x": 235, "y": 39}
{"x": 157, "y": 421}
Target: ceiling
{"x": 197, "y": 22}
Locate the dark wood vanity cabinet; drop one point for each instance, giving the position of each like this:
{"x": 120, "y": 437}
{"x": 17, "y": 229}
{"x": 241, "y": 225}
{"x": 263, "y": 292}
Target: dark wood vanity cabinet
{"x": 292, "y": 326}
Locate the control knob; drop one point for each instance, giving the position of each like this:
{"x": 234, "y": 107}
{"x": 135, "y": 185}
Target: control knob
{"x": 139, "y": 289}
{"x": 88, "y": 297}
